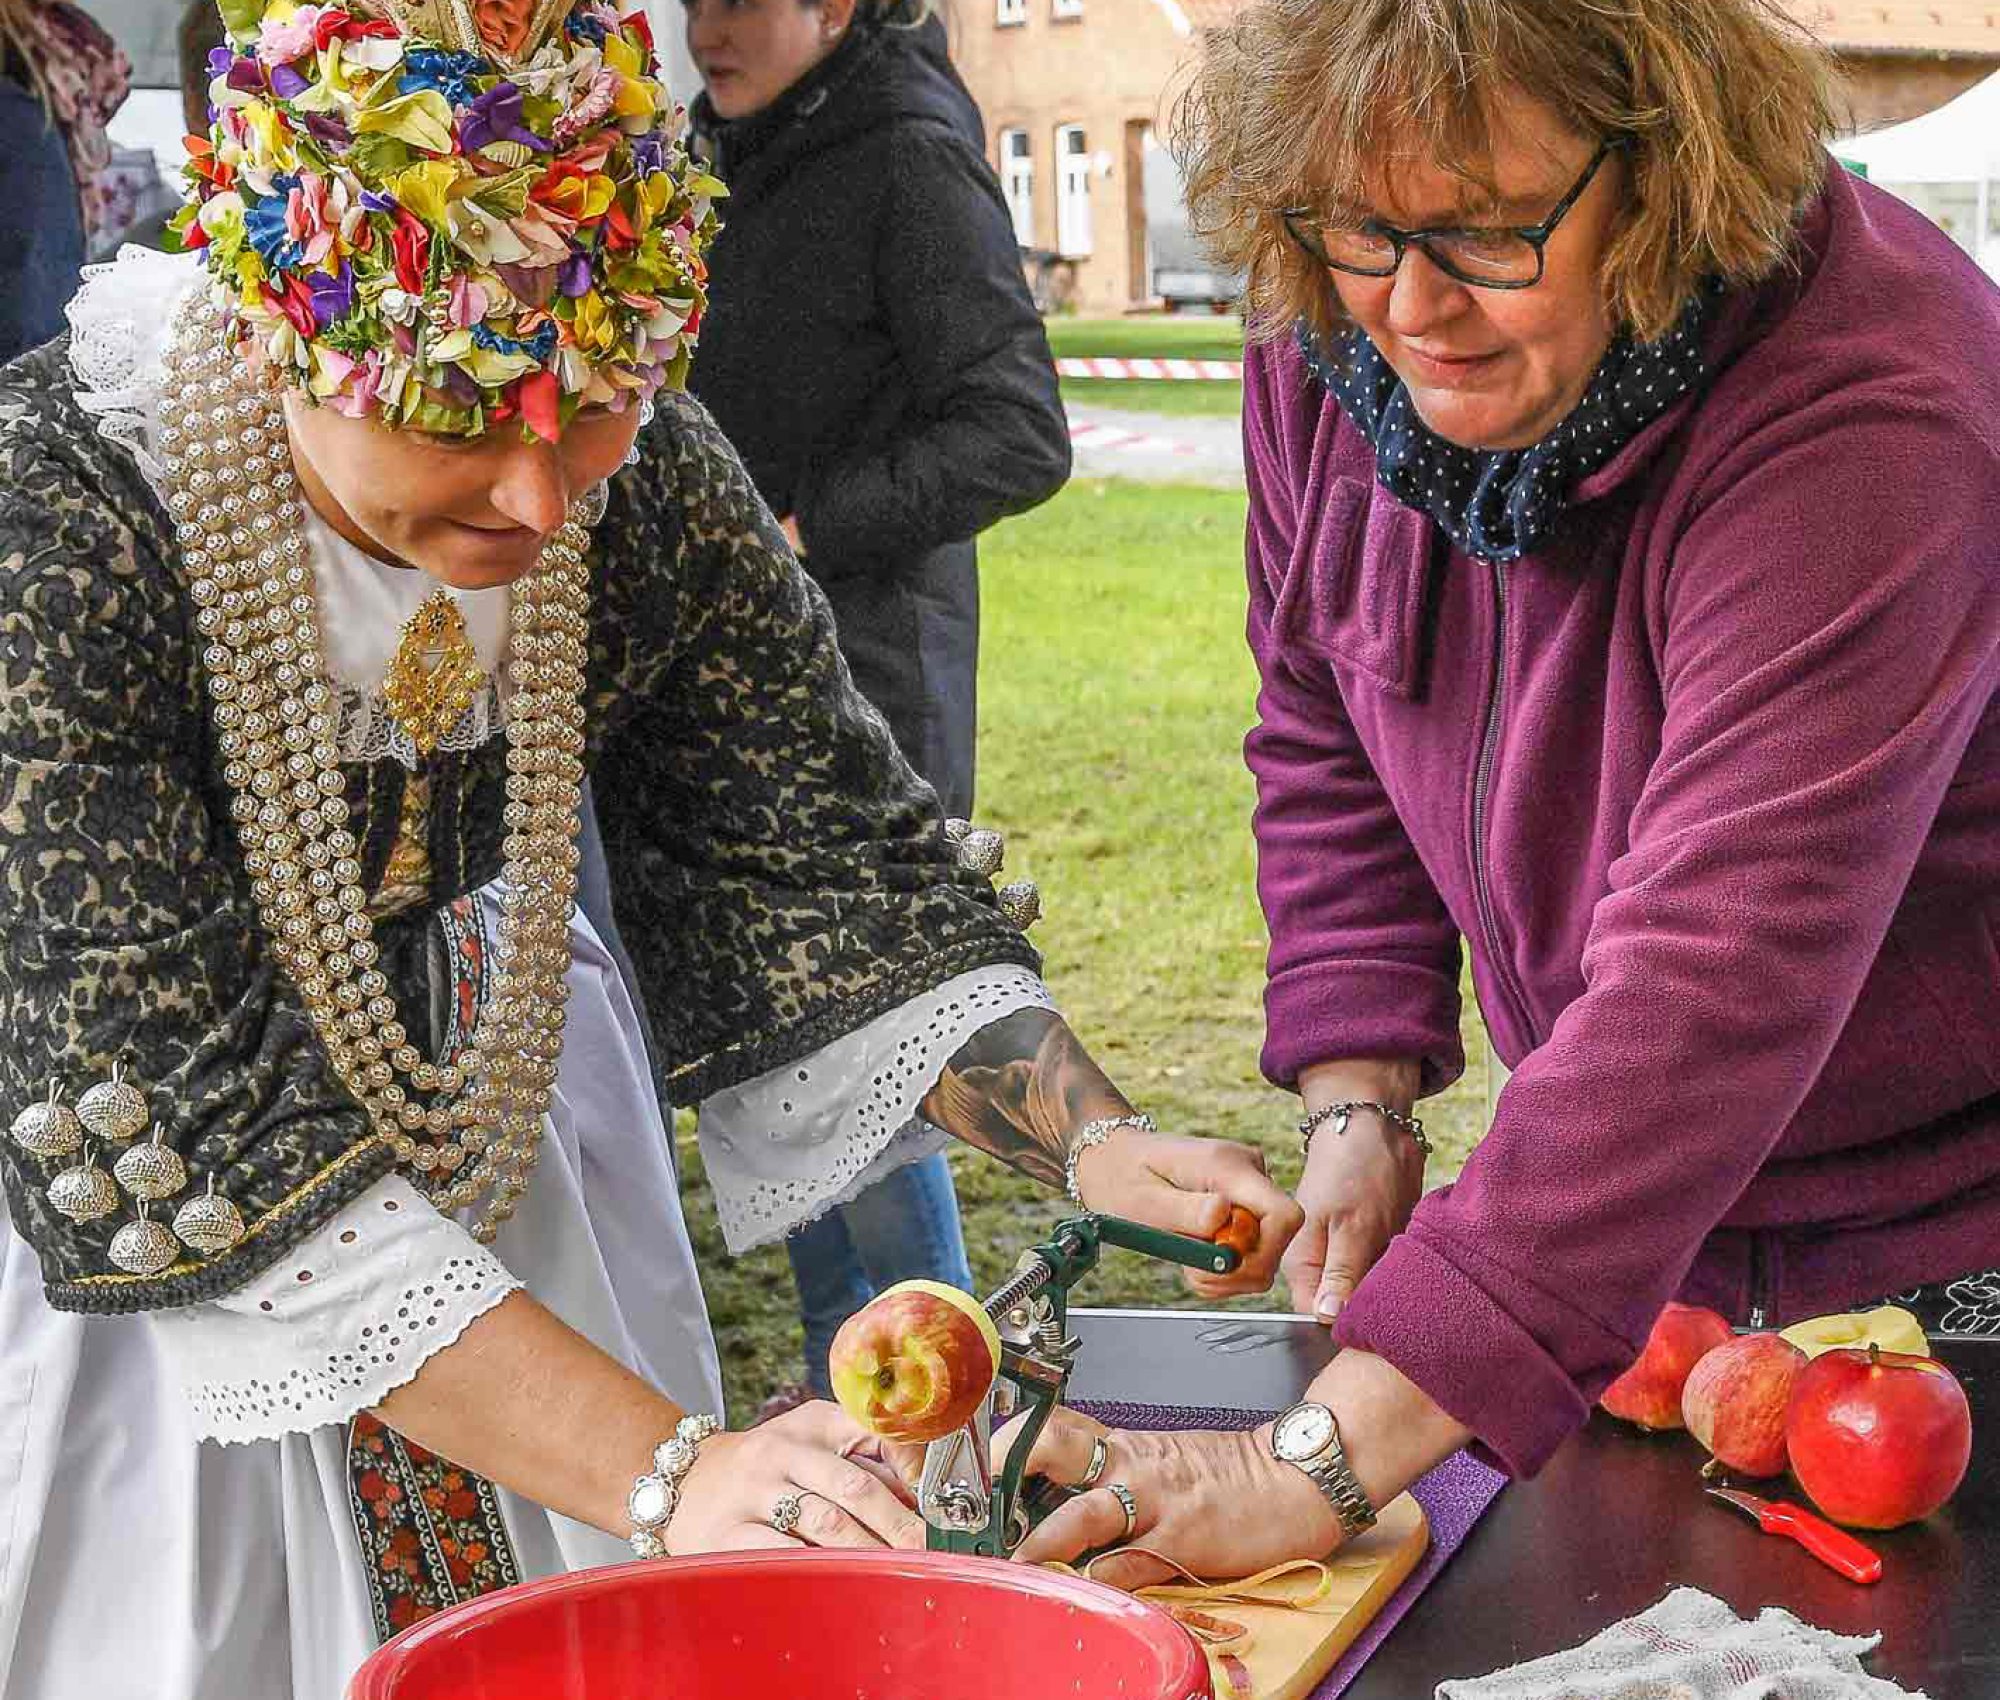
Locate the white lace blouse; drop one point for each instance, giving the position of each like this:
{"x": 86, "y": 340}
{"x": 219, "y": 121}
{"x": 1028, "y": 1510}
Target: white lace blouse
{"x": 355, "y": 1310}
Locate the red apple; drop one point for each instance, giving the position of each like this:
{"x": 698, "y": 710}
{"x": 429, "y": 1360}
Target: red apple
{"x": 1735, "y": 1400}
{"x": 1878, "y": 1439}
{"x": 1649, "y": 1393}
{"x": 914, "y": 1362}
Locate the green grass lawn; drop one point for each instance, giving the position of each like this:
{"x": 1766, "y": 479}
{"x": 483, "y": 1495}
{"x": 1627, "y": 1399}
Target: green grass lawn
{"x": 1182, "y": 336}
{"x": 1156, "y": 337}
{"x": 1114, "y": 692}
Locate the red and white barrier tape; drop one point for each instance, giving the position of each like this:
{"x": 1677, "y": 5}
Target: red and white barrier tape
{"x": 1229, "y": 370}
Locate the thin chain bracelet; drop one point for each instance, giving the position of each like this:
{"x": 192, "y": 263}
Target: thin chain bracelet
{"x": 656, "y": 1495}
{"x": 1339, "y": 1113}
{"x": 1096, "y": 1133}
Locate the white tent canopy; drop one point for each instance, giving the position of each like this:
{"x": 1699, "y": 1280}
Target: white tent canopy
{"x": 1957, "y": 144}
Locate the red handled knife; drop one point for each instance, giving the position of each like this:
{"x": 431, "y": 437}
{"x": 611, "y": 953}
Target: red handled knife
{"x": 1835, "y": 1548}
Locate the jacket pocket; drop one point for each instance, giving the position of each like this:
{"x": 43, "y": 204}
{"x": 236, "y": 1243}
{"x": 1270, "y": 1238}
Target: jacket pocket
{"x": 1355, "y": 587}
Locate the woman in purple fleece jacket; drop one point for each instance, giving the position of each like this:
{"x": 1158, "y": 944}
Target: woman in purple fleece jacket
{"x": 1624, "y": 560}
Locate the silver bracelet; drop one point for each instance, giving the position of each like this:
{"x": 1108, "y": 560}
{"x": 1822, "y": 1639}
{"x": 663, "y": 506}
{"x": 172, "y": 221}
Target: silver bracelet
{"x": 656, "y": 1495}
{"x": 1339, "y": 1113}
{"x": 1096, "y": 1133}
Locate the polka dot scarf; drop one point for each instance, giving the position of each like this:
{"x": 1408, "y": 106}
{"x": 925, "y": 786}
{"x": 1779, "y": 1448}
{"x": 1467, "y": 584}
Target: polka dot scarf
{"x": 1499, "y": 504}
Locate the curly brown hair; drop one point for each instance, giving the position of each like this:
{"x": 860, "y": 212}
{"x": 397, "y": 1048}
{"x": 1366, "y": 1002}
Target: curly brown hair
{"x": 1727, "y": 104}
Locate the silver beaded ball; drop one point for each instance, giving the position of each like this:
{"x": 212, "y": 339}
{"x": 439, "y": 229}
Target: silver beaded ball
{"x": 83, "y": 1193}
{"x": 151, "y": 1171}
{"x": 982, "y": 850}
{"x": 48, "y": 1129}
{"x": 1021, "y": 903}
{"x": 210, "y": 1223}
{"x": 113, "y": 1110}
{"x": 144, "y": 1247}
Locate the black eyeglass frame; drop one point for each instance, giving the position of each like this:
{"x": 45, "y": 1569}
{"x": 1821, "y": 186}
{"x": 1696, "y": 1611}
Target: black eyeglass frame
{"x": 1401, "y": 241}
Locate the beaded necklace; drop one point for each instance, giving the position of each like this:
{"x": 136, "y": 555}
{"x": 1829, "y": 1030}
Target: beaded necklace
{"x": 236, "y": 508}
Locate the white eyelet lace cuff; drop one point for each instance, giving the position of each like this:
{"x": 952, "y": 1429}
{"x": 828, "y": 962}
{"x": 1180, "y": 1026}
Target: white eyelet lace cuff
{"x": 352, "y": 1314}
{"x": 792, "y": 1144}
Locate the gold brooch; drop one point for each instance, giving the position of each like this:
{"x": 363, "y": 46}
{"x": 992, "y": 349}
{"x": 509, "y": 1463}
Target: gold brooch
{"x": 435, "y": 675}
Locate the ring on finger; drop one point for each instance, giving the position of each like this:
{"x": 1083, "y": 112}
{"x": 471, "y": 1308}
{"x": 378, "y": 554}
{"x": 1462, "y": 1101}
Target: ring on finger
{"x": 1099, "y": 1452}
{"x": 1126, "y": 1503}
{"x": 786, "y": 1511}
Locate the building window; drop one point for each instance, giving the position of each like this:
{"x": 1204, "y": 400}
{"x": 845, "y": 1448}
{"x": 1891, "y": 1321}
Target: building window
{"x": 1017, "y": 182}
{"x": 1072, "y": 192}
{"x": 1065, "y": 8}
{"x": 1010, "y": 12}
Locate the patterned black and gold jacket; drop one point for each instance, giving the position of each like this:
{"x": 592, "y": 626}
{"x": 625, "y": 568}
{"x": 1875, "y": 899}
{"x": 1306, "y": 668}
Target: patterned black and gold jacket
{"x": 779, "y": 874}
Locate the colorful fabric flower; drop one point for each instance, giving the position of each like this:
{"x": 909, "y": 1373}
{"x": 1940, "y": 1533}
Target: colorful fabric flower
{"x": 496, "y": 117}
{"x": 287, "y": 39}
{"x": 419, "y": 236}
{"x": 450, "y": 74}
{"x": 410, "y": 242}
{"x": 266, "y": 227}
{"x": 332, "y": 294}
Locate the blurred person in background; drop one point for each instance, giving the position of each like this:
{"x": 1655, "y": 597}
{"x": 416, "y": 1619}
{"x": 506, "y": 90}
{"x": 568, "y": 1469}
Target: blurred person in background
{"x": 61, "y": 78}
{"x": 876, "y": 358}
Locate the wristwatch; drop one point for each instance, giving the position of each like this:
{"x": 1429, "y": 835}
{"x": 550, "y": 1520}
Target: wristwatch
{"x": 1308, "y": 1438}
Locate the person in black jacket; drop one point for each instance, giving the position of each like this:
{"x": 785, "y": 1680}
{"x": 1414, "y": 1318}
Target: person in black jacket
{"x": 873, "y": 353}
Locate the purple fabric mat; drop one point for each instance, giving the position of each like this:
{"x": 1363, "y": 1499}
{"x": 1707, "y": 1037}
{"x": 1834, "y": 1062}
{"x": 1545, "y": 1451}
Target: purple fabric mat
{"x": 1453, "y": 1496}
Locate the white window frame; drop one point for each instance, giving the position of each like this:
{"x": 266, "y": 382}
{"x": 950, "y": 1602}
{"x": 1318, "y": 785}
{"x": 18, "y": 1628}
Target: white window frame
{"x": 1065, "y": 8}
{"x": 1017, "y": 181}
{"x": 1008, "y": 13}
{"x": 1073, "y": 173}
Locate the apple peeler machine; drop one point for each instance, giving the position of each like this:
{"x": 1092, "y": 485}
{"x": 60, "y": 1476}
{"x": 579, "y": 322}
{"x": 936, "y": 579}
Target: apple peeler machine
{"x": 964, "y": 1508}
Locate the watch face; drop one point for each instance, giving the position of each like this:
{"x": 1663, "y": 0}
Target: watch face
{"x": 1302, "y": 1432}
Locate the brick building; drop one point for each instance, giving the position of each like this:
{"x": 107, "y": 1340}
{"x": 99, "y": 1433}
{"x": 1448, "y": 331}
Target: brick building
{"x": 1077, "y": 92}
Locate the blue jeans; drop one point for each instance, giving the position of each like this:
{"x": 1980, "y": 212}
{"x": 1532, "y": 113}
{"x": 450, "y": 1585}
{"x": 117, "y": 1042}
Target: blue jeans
{"x": 903, "y": 1228}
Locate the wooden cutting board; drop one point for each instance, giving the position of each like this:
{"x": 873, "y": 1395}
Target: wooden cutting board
{"x": 1289, "y": 1651}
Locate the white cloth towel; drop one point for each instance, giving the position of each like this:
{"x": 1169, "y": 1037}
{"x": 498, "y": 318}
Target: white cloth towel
{"x": 1693, "y": 1647}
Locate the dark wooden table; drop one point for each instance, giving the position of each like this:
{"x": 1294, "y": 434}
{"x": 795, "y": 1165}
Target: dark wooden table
{"x": 1614, "y": 1521}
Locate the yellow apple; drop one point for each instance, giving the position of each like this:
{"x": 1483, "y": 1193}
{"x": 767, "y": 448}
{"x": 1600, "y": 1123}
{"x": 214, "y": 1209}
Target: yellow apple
{"x": 1890, "y": 1327}
{"x": 913, "y": 1363}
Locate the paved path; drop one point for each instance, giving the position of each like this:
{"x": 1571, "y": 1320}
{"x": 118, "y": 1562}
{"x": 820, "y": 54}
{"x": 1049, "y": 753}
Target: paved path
{"x": 1160, "y": 448}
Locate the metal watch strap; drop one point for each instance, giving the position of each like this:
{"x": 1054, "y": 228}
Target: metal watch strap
{"x": 1334, "y": 1477}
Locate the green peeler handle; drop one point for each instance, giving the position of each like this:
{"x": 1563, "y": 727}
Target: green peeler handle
{"x": 1168, "y": 1248}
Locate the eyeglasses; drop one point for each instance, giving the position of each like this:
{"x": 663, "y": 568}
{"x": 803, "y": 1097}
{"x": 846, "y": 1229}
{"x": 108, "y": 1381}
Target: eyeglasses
{"x": 1488, "y": 257}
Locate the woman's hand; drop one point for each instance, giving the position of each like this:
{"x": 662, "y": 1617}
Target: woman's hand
{"x": 789, "y": 525}
{"x": 1217, "y": 1503}
{"x": 1358, "y": 1191}
{"x": 1188, "y": 1186}
{"x": 849, "y": 1495}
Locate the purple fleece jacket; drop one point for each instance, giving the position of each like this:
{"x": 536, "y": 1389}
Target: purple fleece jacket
{"x": 1712, "y": 785}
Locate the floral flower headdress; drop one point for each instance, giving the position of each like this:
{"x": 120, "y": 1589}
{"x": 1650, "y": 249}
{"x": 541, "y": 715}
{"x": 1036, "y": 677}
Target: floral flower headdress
{"x": 452, "y": 214}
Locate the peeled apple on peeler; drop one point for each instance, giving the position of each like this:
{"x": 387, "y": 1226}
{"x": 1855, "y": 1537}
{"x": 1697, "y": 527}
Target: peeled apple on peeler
{"x": 914, "y": 1362}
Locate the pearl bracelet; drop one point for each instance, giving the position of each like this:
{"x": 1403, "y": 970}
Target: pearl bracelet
{"x": 1338, "y": 1114}
{"x": 1096, "y": 1133}
{"x": 656, "y": 1495}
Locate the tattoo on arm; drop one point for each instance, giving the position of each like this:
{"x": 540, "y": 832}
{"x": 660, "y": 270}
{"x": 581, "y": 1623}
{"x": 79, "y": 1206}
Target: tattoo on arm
{"x": 1018, "y": 1088}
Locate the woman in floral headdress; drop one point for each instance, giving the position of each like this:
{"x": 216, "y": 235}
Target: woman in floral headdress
{"x": 330, "y": 566}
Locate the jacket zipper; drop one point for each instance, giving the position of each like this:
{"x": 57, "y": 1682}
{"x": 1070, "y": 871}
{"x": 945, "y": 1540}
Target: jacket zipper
{"x": 1760, "y": 1282}
{"x": 1482, "y": 783}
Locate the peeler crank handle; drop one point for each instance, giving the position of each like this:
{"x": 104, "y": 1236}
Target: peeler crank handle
{"x": 1833, "y": 1547}
{"x": 1169, "y": 1248}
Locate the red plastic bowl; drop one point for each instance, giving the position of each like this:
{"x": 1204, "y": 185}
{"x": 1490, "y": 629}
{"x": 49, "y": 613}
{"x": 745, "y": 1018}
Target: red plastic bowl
{"x": 795, "y": 1626}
